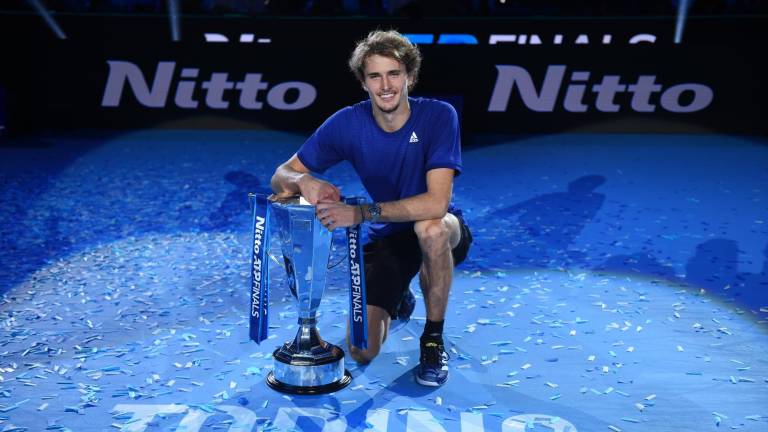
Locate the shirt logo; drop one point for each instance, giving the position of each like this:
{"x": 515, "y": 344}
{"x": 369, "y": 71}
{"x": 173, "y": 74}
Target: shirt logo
{"x": 414, "y": 138}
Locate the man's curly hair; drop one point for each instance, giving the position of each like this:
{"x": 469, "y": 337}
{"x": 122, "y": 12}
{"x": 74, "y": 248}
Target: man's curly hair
{"x": 390, "y": 44}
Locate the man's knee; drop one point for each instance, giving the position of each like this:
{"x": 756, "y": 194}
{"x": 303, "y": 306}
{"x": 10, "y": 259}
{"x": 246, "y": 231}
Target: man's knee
{"x": 363, "y": 356}
{"x": 433, "y": 234}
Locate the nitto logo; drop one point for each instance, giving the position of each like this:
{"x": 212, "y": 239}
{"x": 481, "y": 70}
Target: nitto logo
{"x": 218, "y": 89}
{"x": 680, "y": 98}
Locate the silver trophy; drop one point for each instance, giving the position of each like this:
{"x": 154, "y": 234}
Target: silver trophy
{"x": 307, "y": 364}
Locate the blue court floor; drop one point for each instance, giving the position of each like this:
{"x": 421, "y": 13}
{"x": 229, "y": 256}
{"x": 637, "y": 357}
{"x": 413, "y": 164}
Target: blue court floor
{"x": 616, "y": 283}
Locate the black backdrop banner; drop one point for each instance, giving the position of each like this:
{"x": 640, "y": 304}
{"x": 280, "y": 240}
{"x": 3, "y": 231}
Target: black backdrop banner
{"x": 502, "y": 75}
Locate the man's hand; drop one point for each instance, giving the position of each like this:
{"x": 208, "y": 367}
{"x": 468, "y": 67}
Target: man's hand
{"x": 336, "y": 214}
{"x": 315, "y": 190}
{"x": 292, "y": 178}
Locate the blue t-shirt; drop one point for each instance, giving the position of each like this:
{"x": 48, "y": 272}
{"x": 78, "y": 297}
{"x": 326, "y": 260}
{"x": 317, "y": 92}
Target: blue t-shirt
{"x": 391, "y": 165}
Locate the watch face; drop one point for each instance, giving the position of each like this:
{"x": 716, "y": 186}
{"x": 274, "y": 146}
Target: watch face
{"x": 375, "y": 211}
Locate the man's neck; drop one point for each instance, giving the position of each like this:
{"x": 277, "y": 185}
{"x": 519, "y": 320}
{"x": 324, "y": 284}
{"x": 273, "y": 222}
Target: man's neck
{"x": 392, "y": 122}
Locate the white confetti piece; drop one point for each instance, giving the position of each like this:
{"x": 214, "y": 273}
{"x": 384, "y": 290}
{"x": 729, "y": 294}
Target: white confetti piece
{"x": 489, "y": 361}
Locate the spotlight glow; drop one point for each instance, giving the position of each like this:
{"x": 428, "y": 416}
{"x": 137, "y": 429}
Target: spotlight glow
{"x": 52, "y": 24}
{"x": 173, "y": 14}
{"x": 682, "y": 13}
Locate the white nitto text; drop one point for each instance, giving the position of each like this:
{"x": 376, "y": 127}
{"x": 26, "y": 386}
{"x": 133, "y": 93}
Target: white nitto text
{"x": 218, "y": 92}
{"x": 646, "y": 94}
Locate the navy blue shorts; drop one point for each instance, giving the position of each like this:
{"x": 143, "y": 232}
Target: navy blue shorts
{"x": 391, "y": 263}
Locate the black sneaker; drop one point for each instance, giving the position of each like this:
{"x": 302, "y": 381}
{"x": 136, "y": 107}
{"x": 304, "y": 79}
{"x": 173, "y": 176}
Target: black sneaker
{"x": 432, "y": 370}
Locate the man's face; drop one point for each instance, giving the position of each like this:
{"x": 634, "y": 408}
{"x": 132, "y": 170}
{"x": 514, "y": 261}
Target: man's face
{"x": 386, "y": 82}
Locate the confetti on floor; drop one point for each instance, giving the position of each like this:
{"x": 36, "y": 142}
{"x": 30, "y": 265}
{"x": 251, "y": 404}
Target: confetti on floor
{"x": 615, "y": 282}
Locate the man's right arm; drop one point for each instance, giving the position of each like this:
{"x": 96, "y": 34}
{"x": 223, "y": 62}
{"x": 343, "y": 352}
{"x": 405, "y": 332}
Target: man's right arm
{"x": 293, "y": 177}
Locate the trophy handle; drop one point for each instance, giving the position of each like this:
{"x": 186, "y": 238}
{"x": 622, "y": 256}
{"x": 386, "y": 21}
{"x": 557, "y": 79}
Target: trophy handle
{"x": 271, "y": 256}
{"x": 274, "y": 197}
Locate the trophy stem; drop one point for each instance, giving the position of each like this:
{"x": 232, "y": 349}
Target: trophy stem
{"x": 308, "y": 337}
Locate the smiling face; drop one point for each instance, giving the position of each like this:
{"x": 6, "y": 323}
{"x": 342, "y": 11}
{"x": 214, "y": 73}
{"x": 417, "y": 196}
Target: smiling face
{"x": 386, "y": 81}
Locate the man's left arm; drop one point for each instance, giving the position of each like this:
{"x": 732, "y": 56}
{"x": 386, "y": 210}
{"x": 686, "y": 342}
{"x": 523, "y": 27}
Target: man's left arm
{"x": 432, "y": 204}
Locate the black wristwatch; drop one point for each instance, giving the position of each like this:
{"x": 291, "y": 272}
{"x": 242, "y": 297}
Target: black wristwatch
{"x": 374, "y": 210}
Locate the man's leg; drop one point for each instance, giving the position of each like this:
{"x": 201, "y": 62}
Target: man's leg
{"x": 378, "y": 326}
{"x": 436, "y": 238}
{"x": 390, "y": 265}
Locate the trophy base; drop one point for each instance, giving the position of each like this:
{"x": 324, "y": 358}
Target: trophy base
{"x": 318, "y": 368}
{"x": 309, "y": 390}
